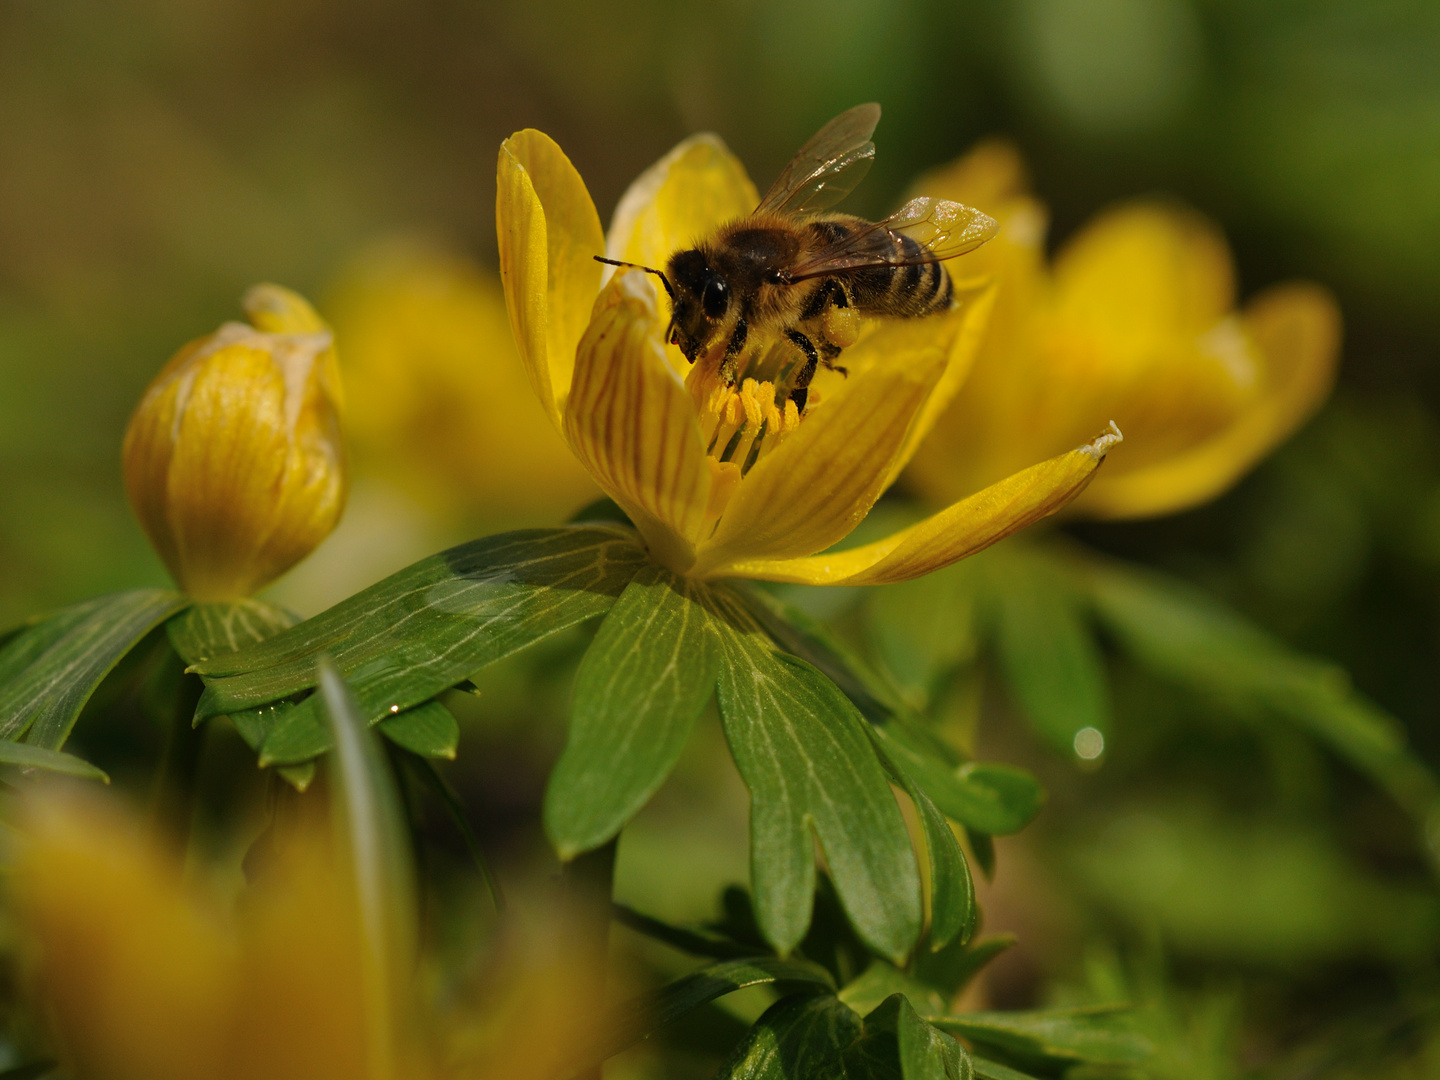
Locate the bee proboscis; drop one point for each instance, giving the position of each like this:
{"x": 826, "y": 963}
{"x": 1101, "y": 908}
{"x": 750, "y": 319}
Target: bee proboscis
{"x": 794, "y": 270}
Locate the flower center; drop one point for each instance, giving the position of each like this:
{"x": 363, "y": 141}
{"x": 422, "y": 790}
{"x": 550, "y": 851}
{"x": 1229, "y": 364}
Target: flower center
{"x": 744, "y": 404}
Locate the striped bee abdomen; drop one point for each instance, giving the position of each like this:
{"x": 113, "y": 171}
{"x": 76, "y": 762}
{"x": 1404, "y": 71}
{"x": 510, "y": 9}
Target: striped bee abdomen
{"x": 904, "y": 288}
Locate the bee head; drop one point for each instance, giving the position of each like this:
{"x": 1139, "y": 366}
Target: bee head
{"x": 702, "y": 299}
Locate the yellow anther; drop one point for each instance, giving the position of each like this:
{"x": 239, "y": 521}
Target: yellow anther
{"x": 792, "y": 416}
{"x": 750, "y": 395}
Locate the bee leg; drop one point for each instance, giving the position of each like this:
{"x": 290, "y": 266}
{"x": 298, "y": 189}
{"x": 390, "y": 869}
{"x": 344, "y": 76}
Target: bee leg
{"x": 812, "y": 360}
{"x": 737, "y": 339}
{"x": 828, "y": 353}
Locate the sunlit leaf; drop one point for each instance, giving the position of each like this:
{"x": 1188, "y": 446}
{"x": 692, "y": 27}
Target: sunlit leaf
{"x": 1100, "y": 1035}
{"x": 208, "y": 630}
{"x": 640, "y": 688}
{"x": 803, "y": 751}
{"x": 797, "y": 1038}
{"x": 367, "y": 813}
{"x": 429, "y": 730}
{"x": 993, "y": 1070}
{"x": 883, "y": 979}
{"x": 50, "y": 669}
{"x": 26, "y": 756}
{"x": 952, "y": 892}
{"x": 422, "y": 630}
{"x": 822, "y": 1038}
{"x": 992, "y": 798}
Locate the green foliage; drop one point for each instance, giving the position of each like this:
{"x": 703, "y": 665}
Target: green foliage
{"x": 429, "y": 730}
{"x": 203, "y": 631}
{"x": 26, "y": 756}
{"x": 433, "y": 624}
{"x": 802, "y": 749}
{"x": 51, "y": 667}
{"x": 367, "y": 813}
{"x": 645, "y": 678}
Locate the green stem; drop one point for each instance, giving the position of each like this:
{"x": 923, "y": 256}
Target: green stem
{"x": 172, "y": 806}
{"x": 456, "y": 812}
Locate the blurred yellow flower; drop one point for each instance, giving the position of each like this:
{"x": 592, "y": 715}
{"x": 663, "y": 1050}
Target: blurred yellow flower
{"x": 141, "y": 977}
{"x": 730, "y": 480}
{"x": 1135, "y": 322}
{"x": 233, "y": 458}
{"x": 144, "y": 979}
{"x": 437, "y": 401}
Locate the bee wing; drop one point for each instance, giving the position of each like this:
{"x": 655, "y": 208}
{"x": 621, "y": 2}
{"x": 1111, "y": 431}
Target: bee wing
{"x": 828, "y": 167}
{"x": 941, "y": 229}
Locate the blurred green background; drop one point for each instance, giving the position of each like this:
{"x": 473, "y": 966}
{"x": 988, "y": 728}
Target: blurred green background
{"x": 159, "y": 156}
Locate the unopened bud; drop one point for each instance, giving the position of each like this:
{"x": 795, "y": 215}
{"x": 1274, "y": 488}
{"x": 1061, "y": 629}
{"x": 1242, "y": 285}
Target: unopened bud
{"x": 233, "y": 459}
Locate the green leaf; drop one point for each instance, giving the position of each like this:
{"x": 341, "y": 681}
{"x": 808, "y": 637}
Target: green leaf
{"x": 982, "y": 846}
{"x": 805, "y": 755}
{"x": 208, "y": 630}
{"x": 640, "y": 688}
{"x": 694, "y": 942}
{"x": 882, "y": 980}
{"x": 1099, "y": 1035}
{"x": 993, "y": 1070}
{"x": 428, "y": 627}
{"x": 822, "y": 1038}
{"x": 633, "y": 1020}
{"x": 803, "y": 636}
{"x": 797, "y": 1038}
{"x": 26, "y": 756}
{"x": 1046, "y": 648}
{"x": 991, "y": 798}
{"x": 429, "y": 730}
{"x": 367, "y": 814}
{"x": 951, "y": 968}
{"x": 49, "y": 670}
{"x": 953, "y": 912}
{"x": 924, "y": 1052}
{"x": 1199, "y": 643}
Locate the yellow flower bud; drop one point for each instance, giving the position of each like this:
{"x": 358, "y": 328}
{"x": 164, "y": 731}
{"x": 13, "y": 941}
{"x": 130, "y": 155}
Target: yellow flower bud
{"x": 233, "y": 458}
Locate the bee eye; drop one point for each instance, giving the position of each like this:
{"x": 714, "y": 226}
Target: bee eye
{"x": 715, "y": 297}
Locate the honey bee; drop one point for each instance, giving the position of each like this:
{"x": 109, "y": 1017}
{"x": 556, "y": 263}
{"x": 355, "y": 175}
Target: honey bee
{"x": 791, "y": 270}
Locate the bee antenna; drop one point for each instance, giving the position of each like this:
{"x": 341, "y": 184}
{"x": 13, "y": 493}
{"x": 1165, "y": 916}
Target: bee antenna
{"x": 648, "y": 269}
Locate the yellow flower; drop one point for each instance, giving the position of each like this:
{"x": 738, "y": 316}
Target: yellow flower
{"x": 233, "y": 458}
{"x": 141, "y": 976}
{"x": 730, "y": 480}
{"x": 1134, "y": 322}
{"x": 436, "y": 400}
{"x": 145, "y": 979}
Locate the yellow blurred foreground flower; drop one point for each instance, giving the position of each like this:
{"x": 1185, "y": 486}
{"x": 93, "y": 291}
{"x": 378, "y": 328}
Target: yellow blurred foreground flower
{"x": 141, "y": 977}
{"x": 233, "y": 458}
{"x": 726, "y": 478}
{"x": 1135, "y": 322}
{"x": 436, "y": 399}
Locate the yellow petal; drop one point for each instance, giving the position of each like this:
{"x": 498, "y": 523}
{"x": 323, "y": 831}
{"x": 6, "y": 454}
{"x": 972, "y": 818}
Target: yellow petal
{"x": 678, "y": 201}
{"x": 632, "y": 424}
{"x": 278, "y": 310}
{"x": 438, "y": 400}
{"x": 135, "y": 976}
{"x": 1140, "y": 275}
{"x": 975, "y": 301}
{"x": 549, "y": 235}
{"x": 821, "y": 482}
{"x": 233, "y": 458}
{"x": 962, "y": 529}
{"x": 1295, "y": 329}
